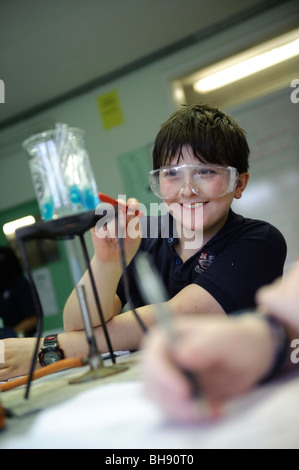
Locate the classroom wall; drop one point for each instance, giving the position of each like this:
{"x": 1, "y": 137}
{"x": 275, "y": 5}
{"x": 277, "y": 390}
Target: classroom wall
{"x": 146, "y": 101}
{"x": 272, "y": 126}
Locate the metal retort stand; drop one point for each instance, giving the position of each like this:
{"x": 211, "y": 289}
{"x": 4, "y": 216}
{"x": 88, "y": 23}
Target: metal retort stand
{"x": 67, "y": 228}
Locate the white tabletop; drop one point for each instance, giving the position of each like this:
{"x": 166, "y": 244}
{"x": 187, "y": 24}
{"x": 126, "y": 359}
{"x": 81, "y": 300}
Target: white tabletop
{"x": 113, "y": 413}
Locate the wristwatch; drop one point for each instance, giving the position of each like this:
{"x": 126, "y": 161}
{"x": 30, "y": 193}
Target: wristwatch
{"x": 50, "y": 351}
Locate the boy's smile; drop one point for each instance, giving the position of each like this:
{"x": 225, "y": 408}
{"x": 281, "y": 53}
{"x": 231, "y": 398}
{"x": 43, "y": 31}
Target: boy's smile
{"x": 194, "y": 212}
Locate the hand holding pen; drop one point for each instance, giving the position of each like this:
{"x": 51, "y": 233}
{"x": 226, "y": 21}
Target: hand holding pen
{"x": 154, "y": 293}
{"x": 117, "y": 223}
{"x": 115, "y": 203}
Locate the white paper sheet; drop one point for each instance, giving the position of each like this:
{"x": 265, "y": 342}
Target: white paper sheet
{"x": 119, "y": 416}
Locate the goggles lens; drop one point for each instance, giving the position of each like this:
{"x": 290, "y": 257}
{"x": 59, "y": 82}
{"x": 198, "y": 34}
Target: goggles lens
{"x": 207, "y": 181}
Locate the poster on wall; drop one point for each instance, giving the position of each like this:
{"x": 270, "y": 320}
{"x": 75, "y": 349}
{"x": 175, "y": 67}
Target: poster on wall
{"x": 110, "y": 109}
{"x": 134, "y": 167}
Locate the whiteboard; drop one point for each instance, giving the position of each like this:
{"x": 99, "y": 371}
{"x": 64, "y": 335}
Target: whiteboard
{"x": 272, "y": 194}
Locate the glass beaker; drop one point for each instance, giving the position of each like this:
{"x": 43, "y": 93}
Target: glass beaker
{"x": 61, "y": 172}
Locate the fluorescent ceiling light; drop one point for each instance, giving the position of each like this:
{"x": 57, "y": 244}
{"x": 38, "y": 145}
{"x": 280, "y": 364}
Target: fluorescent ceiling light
{"x": 12, "y": 226}
{"x": 274, "y": 52}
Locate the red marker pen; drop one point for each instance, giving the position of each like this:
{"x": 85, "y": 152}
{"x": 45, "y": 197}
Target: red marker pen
{"x": 110, "y": 200}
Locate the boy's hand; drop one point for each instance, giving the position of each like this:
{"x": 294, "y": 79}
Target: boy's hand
{"x": 105, "y": 236}
{"x": 17, "y": 357}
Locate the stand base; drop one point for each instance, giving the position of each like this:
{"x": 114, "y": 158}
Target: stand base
{"x": 94, "y": 374}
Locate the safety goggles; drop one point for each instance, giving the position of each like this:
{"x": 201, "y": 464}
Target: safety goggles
{"x": 207, "y": 181}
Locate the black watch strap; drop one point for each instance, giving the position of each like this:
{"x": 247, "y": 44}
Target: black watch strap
{"x": 50, "y": 341}
{"x": 50, "y": 344}
{"x": 282, "y": 346}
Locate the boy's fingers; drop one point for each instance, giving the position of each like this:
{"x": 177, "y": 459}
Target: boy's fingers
{"x": 133, "y": 207}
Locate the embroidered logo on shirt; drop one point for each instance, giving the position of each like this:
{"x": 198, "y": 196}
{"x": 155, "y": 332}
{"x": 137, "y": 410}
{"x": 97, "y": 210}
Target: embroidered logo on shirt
{"x": 205, "y": 259}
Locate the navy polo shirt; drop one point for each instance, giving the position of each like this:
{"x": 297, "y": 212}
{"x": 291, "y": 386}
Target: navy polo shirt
{"x": 244, "y": 255}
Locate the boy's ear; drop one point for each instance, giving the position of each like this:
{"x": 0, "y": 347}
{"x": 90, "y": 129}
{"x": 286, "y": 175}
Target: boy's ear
{"x": 241, "y": 185}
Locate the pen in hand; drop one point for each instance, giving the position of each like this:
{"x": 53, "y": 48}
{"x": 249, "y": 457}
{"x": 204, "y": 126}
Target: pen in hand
{"x": 111, "y": 200}
{"x": 154, "y": 293}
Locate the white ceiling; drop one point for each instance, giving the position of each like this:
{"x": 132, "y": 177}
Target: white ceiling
{"x": 52, "y": 49}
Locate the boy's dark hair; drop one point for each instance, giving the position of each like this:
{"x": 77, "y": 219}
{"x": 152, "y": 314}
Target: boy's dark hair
{"x": 213, "y": 137}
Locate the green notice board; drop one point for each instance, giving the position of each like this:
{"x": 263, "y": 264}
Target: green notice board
{"x": 134, "y": 167}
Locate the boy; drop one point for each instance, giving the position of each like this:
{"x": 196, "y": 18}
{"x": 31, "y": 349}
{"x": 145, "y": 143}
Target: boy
{"x": 200, "y": 162}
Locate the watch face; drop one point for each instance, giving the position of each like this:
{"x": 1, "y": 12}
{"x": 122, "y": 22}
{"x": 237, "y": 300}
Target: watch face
{"x": 50, "y": 357}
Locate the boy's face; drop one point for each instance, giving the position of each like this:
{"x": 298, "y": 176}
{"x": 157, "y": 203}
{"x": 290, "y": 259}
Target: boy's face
{"x": 200, "y": 211}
